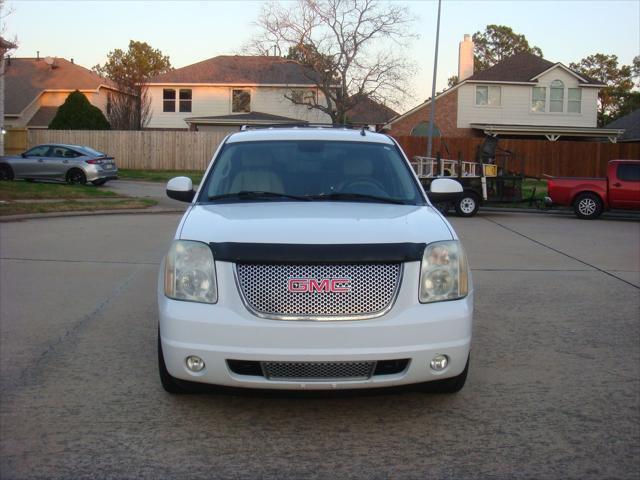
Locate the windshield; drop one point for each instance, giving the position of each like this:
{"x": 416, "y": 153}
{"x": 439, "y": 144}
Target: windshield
{"x": 303, "y": 170}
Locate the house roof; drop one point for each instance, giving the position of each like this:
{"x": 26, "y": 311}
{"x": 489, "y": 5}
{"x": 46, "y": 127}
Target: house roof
{"x": 631, "y": 125}
{"x": 43, "y": 117}
{"x": 369, "y": 112}
{"x": 236, "y": 69}
{"x": 26, "y": 78}
{"x": 523, "y": 67}
{"x": 256, "y": 118}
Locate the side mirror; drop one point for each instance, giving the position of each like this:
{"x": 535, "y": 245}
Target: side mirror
{"x": 444, "y": 190}
{"x": 181, "y": 189}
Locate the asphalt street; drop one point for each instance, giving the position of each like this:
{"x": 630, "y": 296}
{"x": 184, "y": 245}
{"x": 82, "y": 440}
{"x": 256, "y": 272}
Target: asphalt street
{"x": 553, "y": 390}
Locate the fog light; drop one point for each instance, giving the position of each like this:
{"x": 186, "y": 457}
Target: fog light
{"x": 195, "y": 364}
{"x": 439, "y": 362}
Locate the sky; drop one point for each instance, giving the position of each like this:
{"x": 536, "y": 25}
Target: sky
{"x": 191, "y": 31}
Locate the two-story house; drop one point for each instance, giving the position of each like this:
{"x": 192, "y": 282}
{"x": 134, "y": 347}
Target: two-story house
{"x": 36, "y": 87}
{"x": 521, "y": 96}
{"x": 225, "y": 92}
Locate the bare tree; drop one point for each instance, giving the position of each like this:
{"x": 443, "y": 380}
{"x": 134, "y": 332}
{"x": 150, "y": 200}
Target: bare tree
{"x": 351, "y": 49}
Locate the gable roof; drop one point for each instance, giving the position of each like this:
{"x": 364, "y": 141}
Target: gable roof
{"x": 369, "y": 112}
{"x": 26, "y": 78}
{"x": 524, "y": 68}
{"x": 631, "y": 125}
{"x": 236, "y": 69}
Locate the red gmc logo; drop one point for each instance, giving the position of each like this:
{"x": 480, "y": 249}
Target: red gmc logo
{"x": 324, "y": 285}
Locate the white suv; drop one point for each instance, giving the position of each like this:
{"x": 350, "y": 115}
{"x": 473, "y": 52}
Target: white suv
{"x": 311, "y": 258}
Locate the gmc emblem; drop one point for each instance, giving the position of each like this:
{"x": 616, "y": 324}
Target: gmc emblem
{"x": 324, "y": 285}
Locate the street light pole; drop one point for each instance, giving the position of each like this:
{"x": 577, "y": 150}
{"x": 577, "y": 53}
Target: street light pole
{"x": 433, "y": 87}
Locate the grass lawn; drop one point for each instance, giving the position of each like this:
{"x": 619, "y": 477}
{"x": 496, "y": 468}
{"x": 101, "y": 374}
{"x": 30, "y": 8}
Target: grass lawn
{"x": 13, "y": 208}
{"x": 159, "y": 175}
{"x": 20, "y": 189}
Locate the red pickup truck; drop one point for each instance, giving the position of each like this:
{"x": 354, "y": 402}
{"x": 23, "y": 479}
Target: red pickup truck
{"x": 589, "y": 197}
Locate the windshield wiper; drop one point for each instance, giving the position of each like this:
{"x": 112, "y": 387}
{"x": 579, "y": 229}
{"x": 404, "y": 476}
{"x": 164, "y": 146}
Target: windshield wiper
{"x": 253, "y": 194}
{"x": 357, "y": 196}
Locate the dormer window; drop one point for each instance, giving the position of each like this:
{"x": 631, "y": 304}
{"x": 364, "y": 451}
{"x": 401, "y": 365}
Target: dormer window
{"x": 556, "y": 98}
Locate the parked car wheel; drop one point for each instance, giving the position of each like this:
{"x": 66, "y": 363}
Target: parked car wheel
{"x": 467, "y": 205}
{"x": 6, "y": 172}
{"x": 169, "y": 383}
{"x": 588, "y": 206}
{"x": 97, "y": 183}
{"x": 448, "y": 385}
{"x": 75, "y": 176}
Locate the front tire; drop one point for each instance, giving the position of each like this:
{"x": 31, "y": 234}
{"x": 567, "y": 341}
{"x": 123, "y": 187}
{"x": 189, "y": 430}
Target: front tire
{"x": 467, "y": 205}
{"x": 75, "y": 176}
{"x": 588, "y": 206}
{"x": 6, "y": 172}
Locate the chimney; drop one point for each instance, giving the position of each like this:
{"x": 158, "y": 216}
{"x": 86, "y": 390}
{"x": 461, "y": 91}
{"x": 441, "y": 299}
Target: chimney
{"x": 465, "y": 58}
{"x": 72, "y": 60}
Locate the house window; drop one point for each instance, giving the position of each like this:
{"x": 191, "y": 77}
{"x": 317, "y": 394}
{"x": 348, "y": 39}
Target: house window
{"x": 538, "y": 99}
{"x": 574, "y": 104}
{"x": 168, "y": 100}
{"x": 241, "y": 101}
{"x": 556, "y": 97}
{"x": 488, "y": 95}
{"x": 185, "y": 100}
{"x": 108, "y": 104}
{"x": 307, "y": 97}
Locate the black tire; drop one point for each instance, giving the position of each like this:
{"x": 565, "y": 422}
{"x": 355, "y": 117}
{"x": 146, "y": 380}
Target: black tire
{"x": 6, "y": 172}
{"x": 97, "y": 183}
{"x": 467, "y": 205}
{"x": 169, "y": 383}
{"x": 448, "y": 385}
{"x": 588, "y": 206}
{"x": 75, "y": 176}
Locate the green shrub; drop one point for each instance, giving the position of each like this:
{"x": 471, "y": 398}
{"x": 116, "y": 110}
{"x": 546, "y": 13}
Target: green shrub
{"x": 76, "y": 113}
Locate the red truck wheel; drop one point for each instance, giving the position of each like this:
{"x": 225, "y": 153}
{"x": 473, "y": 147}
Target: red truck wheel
{"x": 588, "y": 206}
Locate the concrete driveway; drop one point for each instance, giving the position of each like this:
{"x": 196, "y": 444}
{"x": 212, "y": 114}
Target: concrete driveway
{"x": 553, "y": 390}
{"x": 151, "y": 190}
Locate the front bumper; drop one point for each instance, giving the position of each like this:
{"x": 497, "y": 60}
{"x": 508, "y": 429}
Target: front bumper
{"x": 228, "y": 331}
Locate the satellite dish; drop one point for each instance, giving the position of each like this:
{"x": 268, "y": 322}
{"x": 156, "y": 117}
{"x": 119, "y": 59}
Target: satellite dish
{"x": 48, "y": 60}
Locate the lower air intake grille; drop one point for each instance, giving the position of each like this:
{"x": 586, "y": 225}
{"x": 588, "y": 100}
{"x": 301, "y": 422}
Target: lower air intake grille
{"x": 319, "y": 371}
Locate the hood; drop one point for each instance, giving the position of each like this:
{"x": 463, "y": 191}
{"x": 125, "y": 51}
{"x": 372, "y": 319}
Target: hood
{"x": 314, "y": 223}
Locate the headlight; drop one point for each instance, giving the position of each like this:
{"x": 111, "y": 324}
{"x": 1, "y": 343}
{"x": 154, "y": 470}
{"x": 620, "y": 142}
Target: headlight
{"x": 443, "y": 272}
{"x": 190, "y": 273}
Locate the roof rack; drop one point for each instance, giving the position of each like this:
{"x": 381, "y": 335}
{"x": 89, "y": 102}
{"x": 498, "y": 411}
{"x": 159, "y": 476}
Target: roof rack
{"x": 302, "y": 125}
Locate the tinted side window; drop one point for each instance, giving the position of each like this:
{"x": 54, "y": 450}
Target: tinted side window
{"x": 39, "y": 151}
{"x": 629, "y": 172}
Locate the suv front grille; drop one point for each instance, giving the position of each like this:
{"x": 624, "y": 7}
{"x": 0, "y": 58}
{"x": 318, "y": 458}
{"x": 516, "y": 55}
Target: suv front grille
{"x": 372, "y": 290}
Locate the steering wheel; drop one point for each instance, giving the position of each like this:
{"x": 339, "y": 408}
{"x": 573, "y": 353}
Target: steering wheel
{"x": 363, "y": 185}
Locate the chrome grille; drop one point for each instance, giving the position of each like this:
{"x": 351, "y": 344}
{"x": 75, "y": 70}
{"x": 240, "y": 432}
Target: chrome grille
{"x": 373, "y": 288}
{"x": 318, "y": 371}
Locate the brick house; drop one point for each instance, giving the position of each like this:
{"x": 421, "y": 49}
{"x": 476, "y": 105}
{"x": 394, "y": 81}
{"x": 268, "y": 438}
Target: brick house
{"x": 522, "y": 96}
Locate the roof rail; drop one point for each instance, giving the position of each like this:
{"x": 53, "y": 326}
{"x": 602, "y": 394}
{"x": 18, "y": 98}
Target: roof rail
{"x": 299, "y": 125}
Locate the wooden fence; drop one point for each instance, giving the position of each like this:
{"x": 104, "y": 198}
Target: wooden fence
{"x": 182, "y": 150}
{"x": 15, "y": 141}
{"x": 533, "y": 157}
{"x": 146, "y": 149}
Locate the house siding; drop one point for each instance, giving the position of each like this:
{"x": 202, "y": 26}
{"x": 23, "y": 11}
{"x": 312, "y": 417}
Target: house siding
{"x": 515, "y": 106}
{"x": 215, "y": 101}
{"x": 445, "y": 118}
{"x": 55, "y": 99}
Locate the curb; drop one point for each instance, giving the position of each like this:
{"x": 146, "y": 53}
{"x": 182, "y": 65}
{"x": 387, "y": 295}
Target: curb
{"x": 130, "y": 211}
